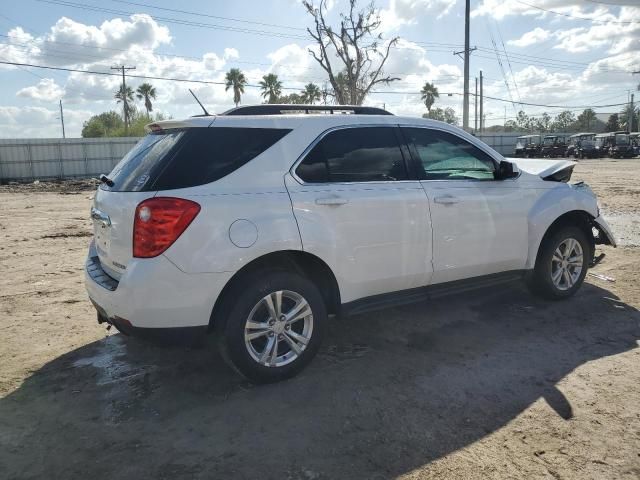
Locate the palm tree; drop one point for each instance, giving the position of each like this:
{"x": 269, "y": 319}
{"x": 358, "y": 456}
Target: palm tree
{"x": 429, "y": 94}
{"x": 146, "y": 92}
{"x": 271, "y": 87}
{"x": 311, "y": 93}
{"x": 125, "y": 95}
{"x": 235, "y": 79}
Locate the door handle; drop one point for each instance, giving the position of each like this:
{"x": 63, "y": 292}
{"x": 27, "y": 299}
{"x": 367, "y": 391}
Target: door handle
{"x": 446, "y": 200}
{"x": 333, "y": 200}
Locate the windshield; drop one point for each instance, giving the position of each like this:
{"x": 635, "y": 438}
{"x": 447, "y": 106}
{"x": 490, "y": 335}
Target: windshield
{"x": 622, "y": 139}
{"x": 549, "y": 141}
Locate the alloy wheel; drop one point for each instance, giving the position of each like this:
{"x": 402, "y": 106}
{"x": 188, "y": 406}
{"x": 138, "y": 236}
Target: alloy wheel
{"x": 566, "y": 264}
{"x": 279, "y": 328}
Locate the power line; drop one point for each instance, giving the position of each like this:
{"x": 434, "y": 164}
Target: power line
{"x": 84, "y": 57}
{"x": 201, "y": 14}
{"x": 183, "y": 22}
{"x": 211, "y": 82}
{"x": 506, "y": 100}
{"x": 513, "y": 77}
{"x": 576, "y": 17}
{"x": 610, "y": 4}
{"x": 77, "y": 56}
{"x": 504, "y": 75}
{"x": 177, "y": 21}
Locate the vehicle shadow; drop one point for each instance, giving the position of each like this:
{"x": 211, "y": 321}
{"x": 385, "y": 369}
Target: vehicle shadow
{"x": 389, "y": 392}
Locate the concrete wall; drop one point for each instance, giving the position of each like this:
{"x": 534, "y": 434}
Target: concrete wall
{"x": 504, "y": 144}
{"x": 50, "y": 158}
{"x": 53, "y": 158}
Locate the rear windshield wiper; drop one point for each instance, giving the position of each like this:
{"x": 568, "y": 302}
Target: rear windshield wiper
{"x": 106, "y": 180}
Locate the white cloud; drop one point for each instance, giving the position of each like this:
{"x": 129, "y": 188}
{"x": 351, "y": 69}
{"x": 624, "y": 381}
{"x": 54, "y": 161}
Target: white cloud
{"x": 534, "y": 36}
{"x": 46, "y": 90}
{"x": 230, "y": 53}
{"x": 617, "y": 37}
{"x": 500, "y": 9}
{"x": 408, "y": 12}
{"x": 213, "y": 61}
{"x": 25, "y": 122}
{"x": 137, "y": 39}
{"x": 70, "y": 42}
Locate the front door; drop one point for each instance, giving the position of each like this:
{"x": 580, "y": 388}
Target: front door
{"x": 479, "y": 223}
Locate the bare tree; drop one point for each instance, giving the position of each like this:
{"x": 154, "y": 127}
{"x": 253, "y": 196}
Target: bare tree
{"x": 353, "y": 50}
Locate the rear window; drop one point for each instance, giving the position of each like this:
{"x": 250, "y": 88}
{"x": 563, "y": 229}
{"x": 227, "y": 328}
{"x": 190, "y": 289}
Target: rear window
{"x": 186, "y": 158}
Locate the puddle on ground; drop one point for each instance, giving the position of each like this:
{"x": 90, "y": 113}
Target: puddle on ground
{"x": 110, "y": 362}
{"x": 126, "y": 384}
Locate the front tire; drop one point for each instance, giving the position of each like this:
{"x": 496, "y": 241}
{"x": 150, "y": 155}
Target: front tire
{"x": 274, "y": 326}
{"x": 562, "y": 264}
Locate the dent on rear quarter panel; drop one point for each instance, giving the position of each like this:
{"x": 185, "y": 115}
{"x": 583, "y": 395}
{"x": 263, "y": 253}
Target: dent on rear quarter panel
{"x": 552, "y": 204}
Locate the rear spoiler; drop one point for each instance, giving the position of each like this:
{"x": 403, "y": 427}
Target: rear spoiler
{"x": 171, "y": 124}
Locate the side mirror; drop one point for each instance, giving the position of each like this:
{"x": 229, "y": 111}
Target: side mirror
{"x": 506, "y": 170}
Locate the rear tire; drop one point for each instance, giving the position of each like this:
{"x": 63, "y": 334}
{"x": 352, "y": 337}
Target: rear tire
{"x": 561, "y": 265}
{"x": 274, "y": 327}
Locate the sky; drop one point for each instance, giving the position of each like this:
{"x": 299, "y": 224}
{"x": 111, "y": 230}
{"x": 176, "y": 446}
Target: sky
{"x": 563, "y": 54}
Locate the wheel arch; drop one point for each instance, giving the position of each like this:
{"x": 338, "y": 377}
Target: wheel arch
{"x": 298, "y": 261}
{"x": 578, "y": 218}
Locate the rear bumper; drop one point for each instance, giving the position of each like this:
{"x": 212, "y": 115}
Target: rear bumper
{"x": 166, "y": 336}
{"x": 153, "y": 294}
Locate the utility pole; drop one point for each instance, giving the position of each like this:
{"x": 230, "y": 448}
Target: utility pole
{"x": 475, "y": 106}
{"x": 631, "y": 112}
{"x": 125, "y": 106}
{"x": 62, "y": 119}
{"x": 467, "y": 51}
{"x": 481, "y": 106}
{"x": 505, "y": 118}
{"x": 465, "y": 104}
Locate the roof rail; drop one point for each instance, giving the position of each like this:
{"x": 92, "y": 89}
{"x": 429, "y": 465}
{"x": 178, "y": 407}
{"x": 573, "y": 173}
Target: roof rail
{"x": 272, "y": 109}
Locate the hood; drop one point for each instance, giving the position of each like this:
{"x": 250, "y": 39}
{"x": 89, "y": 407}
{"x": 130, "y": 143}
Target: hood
{"x": 555, "y": 170}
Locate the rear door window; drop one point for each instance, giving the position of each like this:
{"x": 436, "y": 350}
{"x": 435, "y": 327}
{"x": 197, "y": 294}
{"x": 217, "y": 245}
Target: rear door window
{"x": 362, "y": 154}
{"x": 186, "y": 158}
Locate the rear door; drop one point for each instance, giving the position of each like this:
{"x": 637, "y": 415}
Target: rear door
{"x": 479, "y": 223}
{"x": 358, "y": 209}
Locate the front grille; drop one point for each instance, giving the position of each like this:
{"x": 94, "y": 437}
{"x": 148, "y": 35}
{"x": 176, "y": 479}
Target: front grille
{"x": 95, "y": 271}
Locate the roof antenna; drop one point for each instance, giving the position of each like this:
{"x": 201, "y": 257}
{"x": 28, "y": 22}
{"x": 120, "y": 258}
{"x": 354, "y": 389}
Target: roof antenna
{"x": 200, "y": 103}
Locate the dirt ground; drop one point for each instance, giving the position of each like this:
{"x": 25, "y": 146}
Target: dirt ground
{"x": 497, "y": 384}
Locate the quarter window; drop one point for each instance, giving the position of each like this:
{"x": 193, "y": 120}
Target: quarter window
{"x": 365, "y": 154}
{"x": 444, "y": 156}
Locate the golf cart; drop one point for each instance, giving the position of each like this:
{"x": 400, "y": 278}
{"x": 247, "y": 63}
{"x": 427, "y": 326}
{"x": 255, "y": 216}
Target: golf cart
{"x": 582, "y": 145}
{"x": 527, "y": 146}
{"x": 553, "y": 146}
{"x": 614, "y": 145}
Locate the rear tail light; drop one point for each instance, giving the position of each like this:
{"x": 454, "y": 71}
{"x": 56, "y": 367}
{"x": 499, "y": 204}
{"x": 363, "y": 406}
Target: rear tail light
{"x": 159, "y": 222}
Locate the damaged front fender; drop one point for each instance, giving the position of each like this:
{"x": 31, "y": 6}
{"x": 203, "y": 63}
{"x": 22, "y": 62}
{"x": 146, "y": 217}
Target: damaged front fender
{"x": 602, "y": 234}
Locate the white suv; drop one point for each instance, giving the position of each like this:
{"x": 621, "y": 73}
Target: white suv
{"x": 259, "y": 223}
